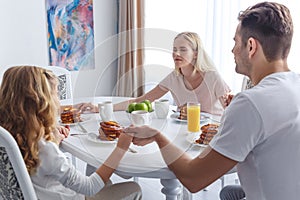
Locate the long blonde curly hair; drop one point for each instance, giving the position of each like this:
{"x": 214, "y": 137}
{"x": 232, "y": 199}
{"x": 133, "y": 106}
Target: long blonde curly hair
{"x": 29, "y": 107}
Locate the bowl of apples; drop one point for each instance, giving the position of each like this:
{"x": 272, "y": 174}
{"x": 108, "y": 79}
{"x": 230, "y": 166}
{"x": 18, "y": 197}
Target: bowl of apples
{"x": 145, "y": 105}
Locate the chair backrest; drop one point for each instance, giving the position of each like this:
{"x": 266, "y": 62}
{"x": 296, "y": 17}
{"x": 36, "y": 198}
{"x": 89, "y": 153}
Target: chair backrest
{"x": 247, "y": 84}
{"x": 15, "y": 181}
{"x": 65, "y": 83}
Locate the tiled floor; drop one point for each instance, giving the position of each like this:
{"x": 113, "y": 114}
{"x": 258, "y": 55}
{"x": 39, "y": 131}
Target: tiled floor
{"x": 151, "y": 187}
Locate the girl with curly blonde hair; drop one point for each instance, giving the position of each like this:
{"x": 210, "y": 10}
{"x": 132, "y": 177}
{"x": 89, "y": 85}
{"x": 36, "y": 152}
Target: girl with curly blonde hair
{"x": 29, "y": 109}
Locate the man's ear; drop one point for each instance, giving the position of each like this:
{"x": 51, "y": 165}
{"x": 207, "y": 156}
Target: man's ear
{"x": 251, "y": 46}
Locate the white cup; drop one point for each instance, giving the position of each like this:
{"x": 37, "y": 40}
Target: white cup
{"x": 140, "y": 118}
{"x": 106, "y": 110}
{"x": 161, "y": 108}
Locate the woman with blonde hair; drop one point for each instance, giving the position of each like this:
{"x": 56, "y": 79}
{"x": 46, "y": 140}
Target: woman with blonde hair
{"x": 195, "y": 78}
{"x": 29, "y": 108}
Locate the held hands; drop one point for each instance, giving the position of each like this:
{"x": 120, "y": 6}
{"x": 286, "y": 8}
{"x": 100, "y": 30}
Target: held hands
{"x": 87, "y": 107}
{"x": 142, "y": 135}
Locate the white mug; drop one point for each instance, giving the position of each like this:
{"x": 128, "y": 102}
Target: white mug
{"x": 161, "y": 108}
{"x": 106, "y": 110}
{"x": 140, "y": 118}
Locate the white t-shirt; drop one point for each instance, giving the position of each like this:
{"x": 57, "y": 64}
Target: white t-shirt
{"x": 57, "y": 179}
{"x": 207, "y": 93}
{"x": 261, "y": 130}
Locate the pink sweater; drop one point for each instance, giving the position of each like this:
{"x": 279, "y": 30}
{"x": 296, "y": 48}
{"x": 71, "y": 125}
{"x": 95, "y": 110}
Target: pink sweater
{"x": 208, "y": 93}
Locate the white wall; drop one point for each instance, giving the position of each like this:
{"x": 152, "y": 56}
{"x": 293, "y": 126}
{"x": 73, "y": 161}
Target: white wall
{"x": 101, "y": 81}
{"x": 23, "y": 33}
{"x": 23, "y": 40}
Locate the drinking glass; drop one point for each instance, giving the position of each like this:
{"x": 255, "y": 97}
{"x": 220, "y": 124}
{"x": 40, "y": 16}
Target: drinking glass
{"x": 193, "y": 117}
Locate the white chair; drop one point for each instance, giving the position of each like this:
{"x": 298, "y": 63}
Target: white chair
{"x": 247, "y": 84}
{"x": 15, "y": 181}
{"x": 65, "y": 83}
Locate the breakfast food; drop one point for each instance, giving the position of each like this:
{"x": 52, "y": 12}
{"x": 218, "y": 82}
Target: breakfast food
{"x": 110, "y": 130}
{"x": 183, "y": 113}
{"x": 70, "y": 115}
{"x": 208, "y": 132}
{"x": 143, "y": 105}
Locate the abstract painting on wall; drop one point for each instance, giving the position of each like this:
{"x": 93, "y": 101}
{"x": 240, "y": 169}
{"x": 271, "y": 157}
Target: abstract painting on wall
{"x": 70, "y": 34}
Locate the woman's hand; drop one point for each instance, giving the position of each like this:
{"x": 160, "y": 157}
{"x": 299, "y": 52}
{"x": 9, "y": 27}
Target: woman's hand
{"x": 226, "y": 99}
{"x": 182, "y": 107}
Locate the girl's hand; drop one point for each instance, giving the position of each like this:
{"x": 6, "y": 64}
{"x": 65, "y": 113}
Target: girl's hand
{"x": 124, "y": 141}
{"x": 64, "y": 130}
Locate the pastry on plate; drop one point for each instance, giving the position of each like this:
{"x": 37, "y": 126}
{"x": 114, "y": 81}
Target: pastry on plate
{"x": 208, "y": 131}
{"x": 183, "y": 113}
{"x": 110, "y": 130}
{"x": 70, "y": 115}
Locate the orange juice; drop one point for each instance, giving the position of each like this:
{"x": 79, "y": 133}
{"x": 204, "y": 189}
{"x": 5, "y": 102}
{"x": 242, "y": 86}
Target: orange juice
{"x": 193, "y": 117}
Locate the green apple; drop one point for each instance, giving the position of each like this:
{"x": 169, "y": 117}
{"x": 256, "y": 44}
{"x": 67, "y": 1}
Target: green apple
{"x": 148, "y": 103}
{"x": 131, "y": 107}
{"x": 141, "y": 106}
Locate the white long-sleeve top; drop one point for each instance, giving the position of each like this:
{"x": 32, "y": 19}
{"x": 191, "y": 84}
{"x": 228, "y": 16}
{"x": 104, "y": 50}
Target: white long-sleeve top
{"x": 56, "y": 178}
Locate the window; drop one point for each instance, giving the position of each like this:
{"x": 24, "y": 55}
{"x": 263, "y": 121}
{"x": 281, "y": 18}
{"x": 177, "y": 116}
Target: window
{"x": 214, "y": 20}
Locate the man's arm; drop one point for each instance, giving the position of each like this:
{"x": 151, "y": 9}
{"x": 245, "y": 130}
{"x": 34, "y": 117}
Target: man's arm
{"x": 195, "y": 174}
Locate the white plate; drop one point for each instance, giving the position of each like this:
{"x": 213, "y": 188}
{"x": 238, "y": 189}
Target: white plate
{"x": 83, "y": 119}
{"x": 192, "y": 137}
{"x": 204, "y": 117}
{"x": 94, "y": 137}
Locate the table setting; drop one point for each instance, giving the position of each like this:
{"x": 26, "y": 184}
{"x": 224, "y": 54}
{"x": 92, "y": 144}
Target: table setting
{"x": 146, "y": 161}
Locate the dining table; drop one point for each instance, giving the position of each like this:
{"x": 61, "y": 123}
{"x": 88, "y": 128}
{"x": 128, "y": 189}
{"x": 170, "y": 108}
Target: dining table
{"x": 140, "y": 161}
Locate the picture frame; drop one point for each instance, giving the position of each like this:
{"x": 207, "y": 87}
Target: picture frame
{"x": 70, "y": 34}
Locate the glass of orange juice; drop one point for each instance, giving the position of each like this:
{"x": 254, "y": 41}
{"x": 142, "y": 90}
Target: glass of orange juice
{"x": 193, "y": 117}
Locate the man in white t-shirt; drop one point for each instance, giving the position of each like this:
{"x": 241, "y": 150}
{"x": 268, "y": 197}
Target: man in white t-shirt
{"x": 260, "y": 129}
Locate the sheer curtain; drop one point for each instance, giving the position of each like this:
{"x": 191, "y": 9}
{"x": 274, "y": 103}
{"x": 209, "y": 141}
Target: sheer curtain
{"x": 215, "y": 21}
{"x": 131, "y": 56}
